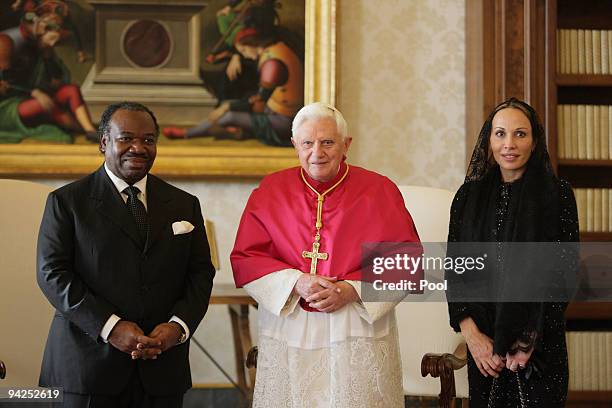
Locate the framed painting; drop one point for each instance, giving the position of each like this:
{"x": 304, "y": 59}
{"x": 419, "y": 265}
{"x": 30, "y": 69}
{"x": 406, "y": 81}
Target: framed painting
{"x": 181, "y": 59}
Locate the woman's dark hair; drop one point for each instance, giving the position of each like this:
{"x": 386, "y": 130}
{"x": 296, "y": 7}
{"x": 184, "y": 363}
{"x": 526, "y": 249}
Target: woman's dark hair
{"x": 482, "y": 159}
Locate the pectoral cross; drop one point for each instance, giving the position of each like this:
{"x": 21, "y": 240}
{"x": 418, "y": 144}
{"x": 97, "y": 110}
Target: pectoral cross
{"x": 315, "y": 255}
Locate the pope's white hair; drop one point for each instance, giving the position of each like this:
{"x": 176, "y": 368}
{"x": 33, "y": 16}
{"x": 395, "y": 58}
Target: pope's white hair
{"x": 320, "y": 110}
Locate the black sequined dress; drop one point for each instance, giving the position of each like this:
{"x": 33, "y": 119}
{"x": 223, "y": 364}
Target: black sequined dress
{"x": 549, "y": 389}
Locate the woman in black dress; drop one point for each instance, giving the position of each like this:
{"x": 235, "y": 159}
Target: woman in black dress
{"x": 517, "y": 354}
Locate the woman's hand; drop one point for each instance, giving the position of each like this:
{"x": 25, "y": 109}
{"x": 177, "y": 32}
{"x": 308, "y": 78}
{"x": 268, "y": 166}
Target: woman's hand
{"x": 481, "y": 348}
{"x": 518, "y": 359}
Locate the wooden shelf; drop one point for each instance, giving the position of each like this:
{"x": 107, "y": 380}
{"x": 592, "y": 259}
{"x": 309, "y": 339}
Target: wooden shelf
{"x": 584, "y": 162}
{"x": 595, "y": 236}
{"x": 584, "y": 95}
{"x": 584, "y": 80}
{"x": 585, "y": 14}
{"x": 591, "y": 399}
{"x": 583, "y": 175}
{"x": 589, "y": 311}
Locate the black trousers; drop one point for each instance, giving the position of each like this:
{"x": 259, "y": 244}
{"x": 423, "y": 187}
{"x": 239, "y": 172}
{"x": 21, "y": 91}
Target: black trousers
{"x": 134, "y": 396}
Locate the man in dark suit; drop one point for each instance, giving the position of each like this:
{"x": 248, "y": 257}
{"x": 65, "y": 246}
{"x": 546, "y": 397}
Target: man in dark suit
{"x": 123, "y": 258}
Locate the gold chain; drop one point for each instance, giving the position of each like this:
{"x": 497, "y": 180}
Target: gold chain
{"x": 321, "y": 198}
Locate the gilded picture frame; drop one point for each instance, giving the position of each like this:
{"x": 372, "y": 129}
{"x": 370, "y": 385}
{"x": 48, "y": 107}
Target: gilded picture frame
{"x": 29, "y": 160}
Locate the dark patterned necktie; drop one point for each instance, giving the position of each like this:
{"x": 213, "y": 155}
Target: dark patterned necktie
{"x": 138, "y": 210}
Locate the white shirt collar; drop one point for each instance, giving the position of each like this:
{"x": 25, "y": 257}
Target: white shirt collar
{"x": 121, "y": 185}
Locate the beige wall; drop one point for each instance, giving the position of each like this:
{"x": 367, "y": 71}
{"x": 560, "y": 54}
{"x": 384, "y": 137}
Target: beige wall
{"x": 401, "y": 88}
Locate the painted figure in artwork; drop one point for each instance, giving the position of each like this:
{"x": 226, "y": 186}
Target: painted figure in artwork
{"x": 267, "y": 114}
{"x": 225, "y": 72}
{"x": 37, "y": 100}
{"x": 69, "y": 27}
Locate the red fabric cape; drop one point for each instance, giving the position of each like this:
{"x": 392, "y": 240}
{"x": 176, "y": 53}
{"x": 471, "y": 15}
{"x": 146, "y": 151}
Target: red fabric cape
{"x": 278, "y": 223}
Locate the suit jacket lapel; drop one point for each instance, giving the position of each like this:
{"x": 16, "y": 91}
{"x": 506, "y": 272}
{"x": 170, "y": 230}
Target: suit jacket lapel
{"x": 158, "y": 209}
{"x": 110, "y": 204}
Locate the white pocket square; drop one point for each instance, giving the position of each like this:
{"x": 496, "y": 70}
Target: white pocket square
{"x": 182, "y": 227}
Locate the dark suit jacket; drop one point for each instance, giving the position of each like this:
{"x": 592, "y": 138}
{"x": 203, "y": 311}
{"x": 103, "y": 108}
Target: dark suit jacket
{"x": 92, "y": 264}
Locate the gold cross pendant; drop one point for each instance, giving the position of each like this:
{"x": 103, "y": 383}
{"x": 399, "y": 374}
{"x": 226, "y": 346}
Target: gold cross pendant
{"x": 315, "y": 255}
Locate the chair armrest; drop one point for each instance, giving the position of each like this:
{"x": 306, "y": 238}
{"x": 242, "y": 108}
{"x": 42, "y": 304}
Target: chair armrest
{"x": 443, "y": 366}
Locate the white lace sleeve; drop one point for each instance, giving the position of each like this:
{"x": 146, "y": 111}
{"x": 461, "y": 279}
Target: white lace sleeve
{"x": 274, "y": 291}
{"x": 372, "y": 311}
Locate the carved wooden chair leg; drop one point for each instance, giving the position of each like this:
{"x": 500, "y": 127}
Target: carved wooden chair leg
{"x": 444, "y": 366}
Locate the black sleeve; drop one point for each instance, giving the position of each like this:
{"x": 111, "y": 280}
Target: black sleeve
{"x": 457, "y": 311}
{"x": 60, "y": 283}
